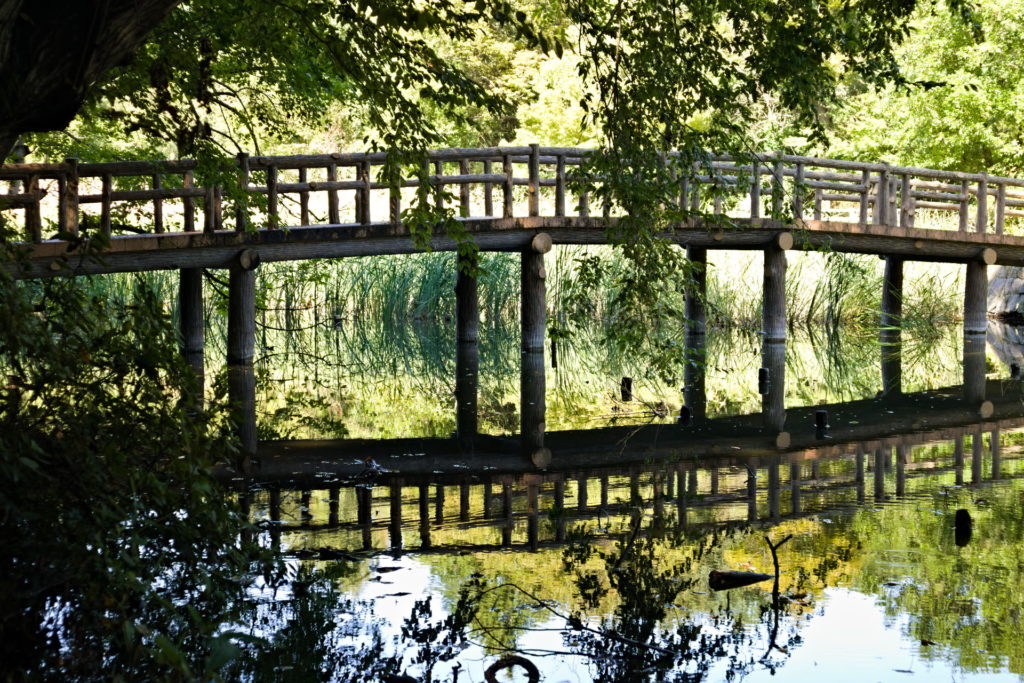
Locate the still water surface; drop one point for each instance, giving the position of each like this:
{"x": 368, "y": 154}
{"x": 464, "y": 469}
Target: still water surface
{"x": 596, "y": 568}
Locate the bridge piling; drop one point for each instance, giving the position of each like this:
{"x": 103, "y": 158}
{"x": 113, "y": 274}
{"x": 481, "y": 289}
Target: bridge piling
{"x": 890, "y": 334}
{"x": 191, "y": 324}
{"x": 533, "y": 320}
{"x": 241, "y": 349}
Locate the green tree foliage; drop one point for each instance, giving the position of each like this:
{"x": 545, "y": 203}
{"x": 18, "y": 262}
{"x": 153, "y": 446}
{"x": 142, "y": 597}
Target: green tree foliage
{"x": 121, "y": 554}
{"x": 966, "y": 109}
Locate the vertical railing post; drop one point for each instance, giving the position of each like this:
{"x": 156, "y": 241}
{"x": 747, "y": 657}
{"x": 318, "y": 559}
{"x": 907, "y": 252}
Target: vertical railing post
{"x": 865, "y": 186}
{"x": 464, "y": 188}
{"x": 798, "y": 188}
{"x": 755, "y": 188}
{"x": 365, "y": 191}
{"x": 272, "y": 219}
{"x": 33, "y": 217}
{"x": 439, "y": 184}
{"x": 981, "y": 224}
{"x": 534, "y": 196}
{"x": 817, "y": 203}
{"x": 560, "y": 185}
{"x": 303, "y": 197}
{"x": 158, "y": 204}
{"x": 965, "y": 196}
{"x": 242, "y": 203}
{"x": 69, "y": 203}
{"x": 208, "y": 219}
{"x": 906, "y": 202}
{"x": 506, "y": 162}
{"x": 332, "y": 195}
{"x": 488, "y": 198}
{"x": 777, "y": 187}
{"x": 106, "y": 189}
{"x": 881, "y": 216}
{"x": 188, "y": 203}
{"x": 1000, "y": 208}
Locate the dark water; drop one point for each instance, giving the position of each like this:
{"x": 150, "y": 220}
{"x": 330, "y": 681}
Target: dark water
{"x": 597, "y": 566}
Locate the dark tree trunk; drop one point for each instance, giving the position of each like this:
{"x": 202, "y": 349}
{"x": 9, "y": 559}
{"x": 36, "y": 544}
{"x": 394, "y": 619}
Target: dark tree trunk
{"x": 52, "y": 52}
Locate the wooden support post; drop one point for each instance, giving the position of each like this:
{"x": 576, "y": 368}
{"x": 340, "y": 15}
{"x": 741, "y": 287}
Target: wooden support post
{"x": 752, "y": 491}
{"x": 33, "y": 215}
{"x": 890, "y": 333}
{"x": 774, "y": 489}
{"x": 694, "y": 376}
{"x": 333, "y": 505}
{"x": 467, "y": 324}
{"x": 773, "y": 402}
{"x": 242, "y": 204}
{"x": 981, "y": 224}
{"x": 439, "y": 504}
{"x": 581, "y": 493}
{"x": 365, "y": 192}
{"x": 395, "y": 515}
{"x": 506, "y": 510}
{"x": 974, "y": 369}
{"x": 464, "y": 501}
{"x": 533, "y": 318}
{"x": 241, "y": 349}
{"x": 976, "y": 298}
{"x": 424, "y": 510}
{"x": 774, "y": 301}
{"x": 191, "y": 322}
{"x": 696, "y": 295}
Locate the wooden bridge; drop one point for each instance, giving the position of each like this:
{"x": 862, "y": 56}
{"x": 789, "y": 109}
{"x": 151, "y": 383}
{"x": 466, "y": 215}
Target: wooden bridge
{"x": 154, "y": 215}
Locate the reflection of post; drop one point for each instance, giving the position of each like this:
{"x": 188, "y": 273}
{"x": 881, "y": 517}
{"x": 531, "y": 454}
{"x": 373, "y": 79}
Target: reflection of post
{"x": 532, "y": 526}
{"x": 958, "y": 459}
{"x": 241, "y": 348}
{"x": 424, "y": 501}
{"x": 659, "y": 497}
{"x": 713, "y": 471}
{"x": 464, "y": 501}
{"x": 892, "y": 316}
{"x": 333, "y": 498}
{"x": 245, "y": 512}
{"x": 467, "y": 358}
{"x": 881, "y": 455}
{"x": 774, "y": 489}
{"x": 773, "y": 403}
{"x": 859, "y": 476}
{"x": 694, "y": 392}
{"x": 997, "y": 455}
{"x": 691, "y": 481}
{"x": 752, "y": 492}
{"x": 275, "y": 518}
{"x": 533, "y": 319}
{"x": 395, "y": 520}
{"x": 487, "y": 499}
{"x": 439, "y": 505}
{"x": 977, "y": 454}
{"x": 634, "y": 487}
{"x": 681, "y": 501}
{"x": 974, "y": 367}
{"x": 794, "y": 487}
{"x": 506, "y": 512}
{"x": 901, "y": 475}
{"x": 604, "y": 490}
{"x": 559, "y": 511}
{"x": 581, "y": 493}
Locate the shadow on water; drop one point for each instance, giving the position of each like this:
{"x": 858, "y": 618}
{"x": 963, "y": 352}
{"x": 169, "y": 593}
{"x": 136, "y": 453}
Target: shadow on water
{"x": 417, "y": 557}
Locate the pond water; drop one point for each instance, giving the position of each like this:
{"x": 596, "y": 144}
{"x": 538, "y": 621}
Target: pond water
{"x": 898, "y": 527}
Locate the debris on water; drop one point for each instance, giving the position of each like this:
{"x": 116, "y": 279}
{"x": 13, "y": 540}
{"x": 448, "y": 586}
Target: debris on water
{"x": 727, "y": 579}
{"x": 925, "y": 642}
{"x": 384, "y": 570}
{"x": 963, "y": 527}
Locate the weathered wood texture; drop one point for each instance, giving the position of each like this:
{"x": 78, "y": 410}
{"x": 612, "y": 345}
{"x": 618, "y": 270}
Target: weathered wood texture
{"x": 467, "y": 324}
{"x": 774, "y": 295}
{"x": 191, "y": 321}
{"x": 240, "y": 352}
{"x": 890, "y": 326}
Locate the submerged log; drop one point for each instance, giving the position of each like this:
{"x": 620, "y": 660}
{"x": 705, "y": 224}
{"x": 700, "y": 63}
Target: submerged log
{"x": 724, "y": 580}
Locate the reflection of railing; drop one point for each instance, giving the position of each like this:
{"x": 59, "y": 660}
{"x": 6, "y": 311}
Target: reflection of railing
{"x": 164, "y": 195}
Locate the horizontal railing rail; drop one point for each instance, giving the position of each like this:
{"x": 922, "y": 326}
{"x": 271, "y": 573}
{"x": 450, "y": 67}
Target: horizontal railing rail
{"x": 350, "y": 189}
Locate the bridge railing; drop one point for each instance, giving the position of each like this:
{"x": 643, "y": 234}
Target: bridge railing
{"x": 116, "y": 198}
